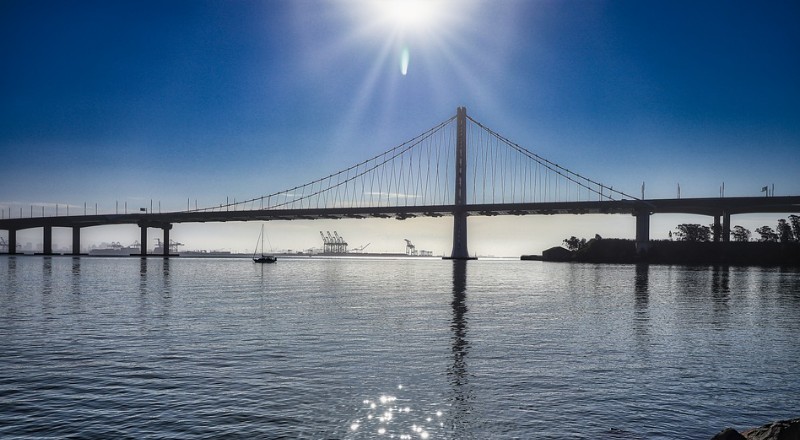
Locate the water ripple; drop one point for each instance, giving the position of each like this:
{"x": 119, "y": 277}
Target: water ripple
{"x": 218, "y": 348}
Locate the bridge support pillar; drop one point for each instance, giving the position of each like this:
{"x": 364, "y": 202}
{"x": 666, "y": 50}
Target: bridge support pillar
{"x": 642, "y": 231}
{"x": 460, "y": 251}
{"x": 726, "y": 227}
{"x": 143, "y": 241}
{"x": 47, "y": 240}
{"x": 165, "y": 246}
{"x": 76, "y": 240}
{"x": 717, "y": 229}
{"x": 12, "y": 241}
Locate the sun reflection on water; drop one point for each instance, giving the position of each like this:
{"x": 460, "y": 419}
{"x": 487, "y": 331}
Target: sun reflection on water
{"x": 395, "y": 417}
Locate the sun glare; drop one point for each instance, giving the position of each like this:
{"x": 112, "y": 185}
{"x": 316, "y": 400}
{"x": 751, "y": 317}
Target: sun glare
{"x": 409, "y": 14}
{"x": 408, "y": 46}
{"x": 409, "y": 20}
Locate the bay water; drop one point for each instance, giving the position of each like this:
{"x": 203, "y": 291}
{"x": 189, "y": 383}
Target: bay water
{"x": 357, "y": 348}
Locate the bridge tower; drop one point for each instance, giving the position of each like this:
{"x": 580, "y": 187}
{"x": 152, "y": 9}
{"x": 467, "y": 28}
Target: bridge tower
{"x": 459, "y": 251}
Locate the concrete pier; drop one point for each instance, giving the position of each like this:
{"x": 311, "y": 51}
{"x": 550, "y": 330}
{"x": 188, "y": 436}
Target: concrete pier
{"x": 143, "y": 240}
{"x": 12, "y": 241}
{"x": 726, "y": 227}
{"x": 642, "y": 230}
{"x": 165, "y": 246}
{"x": 76, "y": 240}
{"x": 164, "y": 226}
{"x": 47, "y": 240}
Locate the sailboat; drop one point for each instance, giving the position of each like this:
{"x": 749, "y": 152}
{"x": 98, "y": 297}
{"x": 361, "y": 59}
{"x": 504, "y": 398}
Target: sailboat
{"x": 263, "y": 258}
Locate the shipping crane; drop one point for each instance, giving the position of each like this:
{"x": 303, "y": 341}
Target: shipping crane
{"x": 333, "y": 244}
{"x": 326, "y": 244}
{"x": 410, "y": 248}
{"x": 361, "y": 248}
{"x": 173, "y": 246}
{"x": 341, "y": 245}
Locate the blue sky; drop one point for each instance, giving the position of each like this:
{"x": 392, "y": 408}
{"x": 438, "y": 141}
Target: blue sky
{"x": 128, "y": 101}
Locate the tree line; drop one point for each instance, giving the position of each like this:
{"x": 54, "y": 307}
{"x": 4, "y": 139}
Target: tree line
{"x": 785, "y": 232}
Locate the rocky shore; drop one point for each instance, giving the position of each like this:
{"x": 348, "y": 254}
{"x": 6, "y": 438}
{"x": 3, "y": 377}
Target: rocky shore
{"x": 781, "y": 430}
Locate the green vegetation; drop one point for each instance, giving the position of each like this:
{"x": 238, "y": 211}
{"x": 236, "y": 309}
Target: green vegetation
{"x": 785, "y": 232}
{"x": 693, "y": 244}
{"x": 574, "y": 244}
{"x": 693, "y": 232}
{"x": 740, "y": 234}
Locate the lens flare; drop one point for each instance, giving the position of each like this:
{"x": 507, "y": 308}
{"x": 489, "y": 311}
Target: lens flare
{"x": 410, "y": 14}
{"x": 404, "y": 61}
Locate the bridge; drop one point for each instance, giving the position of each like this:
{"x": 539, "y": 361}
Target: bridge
{"x": 458, "y": 168}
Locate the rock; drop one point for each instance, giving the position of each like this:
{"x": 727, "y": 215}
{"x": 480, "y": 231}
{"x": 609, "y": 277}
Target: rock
{"x": 729, "y": 434}
{"x": 531, "y": 258}
{"x": 557, "y": 253}
{"x": 781, "y": 430}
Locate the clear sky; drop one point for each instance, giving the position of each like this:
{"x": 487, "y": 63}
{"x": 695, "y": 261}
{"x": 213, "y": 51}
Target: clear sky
{"x": 131, "y": 101}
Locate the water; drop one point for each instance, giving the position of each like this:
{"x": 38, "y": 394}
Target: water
{"x": 404, "y": 349}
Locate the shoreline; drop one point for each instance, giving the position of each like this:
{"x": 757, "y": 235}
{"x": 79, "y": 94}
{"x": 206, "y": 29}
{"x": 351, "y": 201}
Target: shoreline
{"x": 779, "y": 430}
{"x": 615, "y": 251}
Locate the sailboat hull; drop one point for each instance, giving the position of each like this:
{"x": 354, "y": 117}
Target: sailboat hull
{"x": 263, "y": 258}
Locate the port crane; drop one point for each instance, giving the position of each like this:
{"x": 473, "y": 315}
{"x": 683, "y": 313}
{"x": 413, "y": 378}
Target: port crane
{"x": 326, "y": 243}
{"x": 340, "y": 243}
{"x": 361, "y": 248}
{"x": 410, "y": 248}
{"x": 333, "y": 244}
{"x": 173, "y": 245}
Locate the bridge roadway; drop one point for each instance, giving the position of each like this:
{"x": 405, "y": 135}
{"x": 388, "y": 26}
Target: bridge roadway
{"x": 719, "y": 208}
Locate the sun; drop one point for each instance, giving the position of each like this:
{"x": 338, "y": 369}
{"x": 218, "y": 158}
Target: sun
{"x": 409, "y": 15}
{"x": 393, "y": 49}
{"x": 408, "y": 22}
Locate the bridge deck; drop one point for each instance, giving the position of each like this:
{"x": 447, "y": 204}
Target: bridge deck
{"x": 702, "y": 206}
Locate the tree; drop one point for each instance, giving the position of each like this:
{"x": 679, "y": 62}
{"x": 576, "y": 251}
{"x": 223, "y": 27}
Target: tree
{"x": 784, "y": 231}
{"x": 693, "y": 232}
{"x": 794, "y": 220}
{"x": 740, "y": 234}
{"x": 574, "y": 244}
{"x": 767, "y": 234}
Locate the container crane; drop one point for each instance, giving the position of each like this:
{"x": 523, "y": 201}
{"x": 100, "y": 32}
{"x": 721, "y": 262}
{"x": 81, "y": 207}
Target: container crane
{"x": 341, "y": 245}
{"x": 361, "y": 248}
{"x": 173, "y": 245}
{"x": 410, "y": 248}
{"x": 333, "y": 244}
{"x": 326, "y": 243}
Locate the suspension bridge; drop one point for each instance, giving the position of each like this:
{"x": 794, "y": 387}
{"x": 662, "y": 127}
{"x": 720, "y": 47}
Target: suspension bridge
{"x": 458, "y": 168}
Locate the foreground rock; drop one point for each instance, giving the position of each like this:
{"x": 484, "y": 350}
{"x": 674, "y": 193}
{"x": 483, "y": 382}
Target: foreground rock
{"x": 781, "y": 430}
